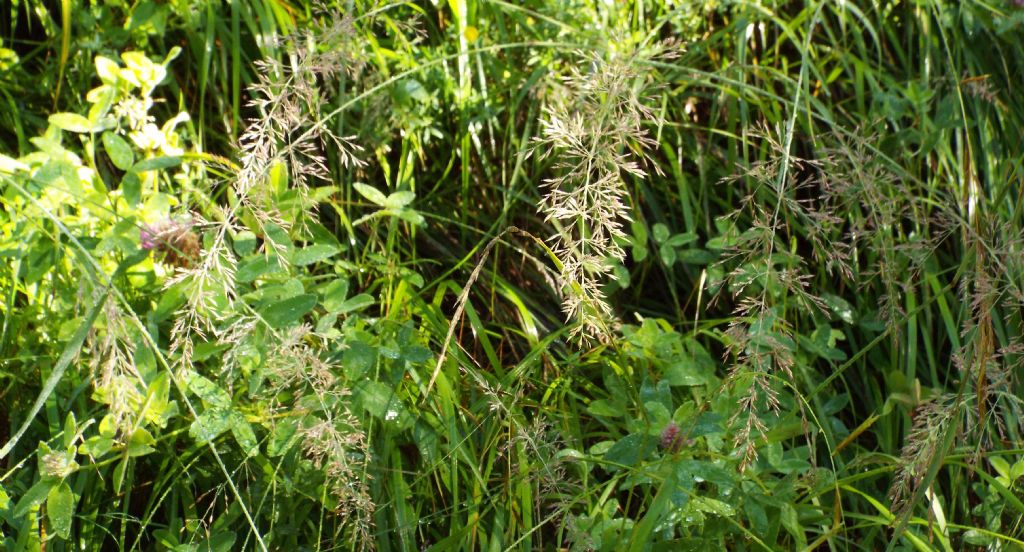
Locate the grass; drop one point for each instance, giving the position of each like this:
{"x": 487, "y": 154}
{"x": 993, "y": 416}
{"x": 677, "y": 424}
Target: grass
{"x": 511, "y": 276}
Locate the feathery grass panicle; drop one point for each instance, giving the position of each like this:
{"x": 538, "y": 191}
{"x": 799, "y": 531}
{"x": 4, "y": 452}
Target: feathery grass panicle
{"x": 931, "y": 420}
{"x": 288, "y": 99}
{"x": 338, "y": 447}
{"x": 286, "y": 135}
{"x": 596, "y": 131}
{"x": 116, "y": 379}
{"x": 763, "y": 275}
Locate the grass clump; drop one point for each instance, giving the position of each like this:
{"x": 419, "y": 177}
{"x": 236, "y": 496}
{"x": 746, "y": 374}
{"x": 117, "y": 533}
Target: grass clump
{"x": 273, "y": 278}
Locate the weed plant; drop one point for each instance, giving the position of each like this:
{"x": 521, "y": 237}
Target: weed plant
{"x": 481, "y": 275}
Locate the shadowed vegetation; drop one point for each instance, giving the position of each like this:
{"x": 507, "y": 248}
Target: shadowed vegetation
{"x": 487, "y": 275}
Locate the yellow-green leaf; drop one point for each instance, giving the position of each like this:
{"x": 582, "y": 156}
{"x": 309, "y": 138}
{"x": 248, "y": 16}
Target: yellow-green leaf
{"x": 60, "y": 509}
{"x": 71, "y": 122}
{"x": 119, "y": 151}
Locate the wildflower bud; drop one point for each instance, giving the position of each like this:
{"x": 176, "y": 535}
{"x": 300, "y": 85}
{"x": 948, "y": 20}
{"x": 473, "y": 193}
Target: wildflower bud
{"x": 175, "y": 240}
{"x": 58, "y": 464}
{"x": 671, "y": 440}
{"x": 147, "y": 238}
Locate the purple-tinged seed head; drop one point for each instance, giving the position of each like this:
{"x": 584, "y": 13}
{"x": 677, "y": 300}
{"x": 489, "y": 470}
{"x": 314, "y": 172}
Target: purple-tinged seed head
{"x": 671, "y": 440}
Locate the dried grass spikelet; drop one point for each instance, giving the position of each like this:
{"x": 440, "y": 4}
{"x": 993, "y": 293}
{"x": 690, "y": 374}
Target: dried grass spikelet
{"x": 289, "y": 97}
{"x": 595, "y": 131}
{"x": 931, "y": 420}
{"x": 289, "y": 131}
{"x": 339, "y": 449}
{"x": 116, "y": 380}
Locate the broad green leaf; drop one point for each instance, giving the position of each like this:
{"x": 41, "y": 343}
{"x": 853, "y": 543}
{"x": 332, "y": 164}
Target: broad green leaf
{"x": 639, "y": 230}
{"x": 657, "y": 413}
{"x": 211, "y": 394}
{"x": 684, "y": 371}
{"x": 1017, "y": 470}
{"x": 840, "y": 307}
{"x": 282, "y": 437}
{"x": 709, "y": 423}
{"x": 118, "y": 476}
{"x": 289, "y": 311}
{"x": 210, "y": 424}
{"x": 10, "y": 166}
{"x": 335, "y": 294}
{"x": 245, "y": 243}
{"x": 107, "y": 69}
{"x": 606, "y": 408}
{"x": 70, "y": 429}
{"x": 680, "y": 240}
{"x": 325, "y": 325}
{"x": 102, "y": 99}
{"x": 398, "y": 200}
{"x": 35, "y": 496}
{"x": 140, "y": 443}
{"x": 630, "y": 450}
{"x": 320, "y": 195}
{"x": 267, "y": 295}
{"x": 660, "y": 232}
{"x": 220, "y": 542}
{"x": 108, "y": 426}
{"x": 119, "y": 151}
{"x": 977, "y": 538}
{"x": 256, "y": 267}
{"x": 156, "y": 163}
{"x": 131, "y": 187}
{"x": 71, "y": 122}
{"x": 172, "y": 54}
{"x": 719, "y": 243}
{"x": 639, "y": 252}
{"x": 621, "y": 275}
{"x": 696, "y": 256}
{"x": 358, "y": 358}
{"x": 791, "y": 521}
{"x": 382, "y": 402}
{"x": 278, "y": 177}
{"x": 700, "y": 471}
{"x": 372, "y": 194}
{"x": 711, "y": 506}
{"x": 1001, "y": 466}
{"x": 668, "y": 254}
{"x": 406, "y": 91}
{"x": 278, "y": 236}
{"x": 96, "y": 446}
{"x": 60, "y": 509}
{"x": 360, "y": 301}
{"x": 203, "y": 350}
{"x": 160, "y": 408}
{"x": 244, "y": 434}
{"x": 313, "y": 254}
{"x": 410, "y": 216}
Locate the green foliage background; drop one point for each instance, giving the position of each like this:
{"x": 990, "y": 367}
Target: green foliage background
{"x": 280, "y": 275}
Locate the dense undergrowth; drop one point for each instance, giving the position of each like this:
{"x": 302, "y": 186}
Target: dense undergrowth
{"x": 492, "y": 275}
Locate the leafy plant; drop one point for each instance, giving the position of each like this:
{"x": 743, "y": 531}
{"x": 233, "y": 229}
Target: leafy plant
{"x": 272, "y": 277}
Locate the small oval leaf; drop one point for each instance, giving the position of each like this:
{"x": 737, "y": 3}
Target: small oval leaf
{"x": 157, "y": 163}
{"x": 119, "y": 151}
{"x": 289, "y": 311}
{"x": 71, "y": 122}
{"x": 60, "y": 508}
{"x": 314, "y": 254}
{"x": 371, "y": 193}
